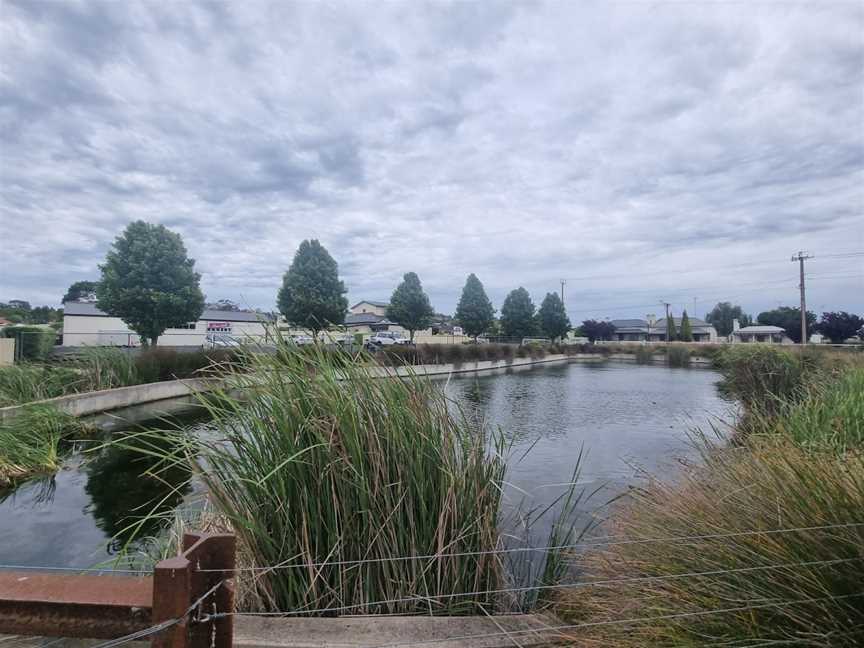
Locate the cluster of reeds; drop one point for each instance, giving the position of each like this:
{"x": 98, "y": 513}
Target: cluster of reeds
{"x": 30, "y": 442}
{"x": 762, "y": 375}
{"x": 644, "y": 355}
{"x": 803, "y": 587}
{"x": 393, "y": 497}
{"x": 26, "y": 382}
{"x": 676, "y": 356}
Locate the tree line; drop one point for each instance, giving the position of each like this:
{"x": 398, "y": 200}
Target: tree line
{"x": 149, "y": 281}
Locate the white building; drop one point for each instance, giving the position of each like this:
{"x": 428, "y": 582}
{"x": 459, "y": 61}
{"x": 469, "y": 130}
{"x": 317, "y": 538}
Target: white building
{"x": 764, "y": 334}
{"x": 86, "y": 325}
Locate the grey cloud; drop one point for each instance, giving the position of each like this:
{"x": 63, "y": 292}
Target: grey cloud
{"x": 526, "y": 141}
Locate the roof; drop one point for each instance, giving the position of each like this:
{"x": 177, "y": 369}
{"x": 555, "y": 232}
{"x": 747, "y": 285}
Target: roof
{"x": 379, "y": 304}
{"x": 759, "y": 329}
{"x": 89, "y": 309}
{"x": 358, "y": 319}
{"x": 630, "y": 325}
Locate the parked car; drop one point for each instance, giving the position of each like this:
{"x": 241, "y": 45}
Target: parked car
{"x": 385, "y": 338}
{"x": 302, "y": 340}
{"x": 536, "y": 341}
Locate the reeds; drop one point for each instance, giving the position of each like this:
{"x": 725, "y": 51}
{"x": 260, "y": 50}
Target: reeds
{"x": 769, "y": 486}
{"x": 395, "y": 499}
{"x": 676, "y": 356}
{"x": 29, "y": 443}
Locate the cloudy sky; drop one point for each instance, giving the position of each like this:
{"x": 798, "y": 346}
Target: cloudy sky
{"x": 639, "y": 150}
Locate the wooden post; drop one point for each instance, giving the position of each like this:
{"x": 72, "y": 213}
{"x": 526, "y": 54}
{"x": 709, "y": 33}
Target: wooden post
{"x": 212, "y": 551}
{"x": 172, "y": 596}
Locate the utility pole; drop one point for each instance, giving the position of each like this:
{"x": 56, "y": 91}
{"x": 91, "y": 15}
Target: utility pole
{"x": 800, "y": 257}
{"x": 563, "y": 281}
{"x": 694, "y": 306}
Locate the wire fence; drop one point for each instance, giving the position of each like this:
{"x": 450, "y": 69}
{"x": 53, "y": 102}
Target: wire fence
{"x": 442, "y": 599}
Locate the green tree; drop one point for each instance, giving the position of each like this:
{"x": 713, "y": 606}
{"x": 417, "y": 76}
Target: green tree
{"x": 721, "y": 317}
{"x": 80, "y": 290}
{"x": 686, "y": 334}
{"x": 409, "y": 306}
{"x": 149, "y": 282}
{"x": 839, "y": 326}
{"x": 789, "y": 319}
{"x": 594, "y": 330}
{"x": 474, "y": 312}
{"x": 312, "y": 295}
{"x": 553, "y": 317}
{"x": 671, "y": 333}
{"x": 517, "y": 314}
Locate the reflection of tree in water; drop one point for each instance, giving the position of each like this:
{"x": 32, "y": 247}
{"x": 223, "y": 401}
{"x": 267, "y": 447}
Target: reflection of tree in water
{"x": 127, "y": 486}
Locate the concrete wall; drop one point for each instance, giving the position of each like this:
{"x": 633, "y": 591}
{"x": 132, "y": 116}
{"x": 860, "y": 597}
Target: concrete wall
{"x": 111, "y": 399}
{"x": 7, "y": 351}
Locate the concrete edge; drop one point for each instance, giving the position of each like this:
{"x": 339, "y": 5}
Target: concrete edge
{"x": 404, "y": 631}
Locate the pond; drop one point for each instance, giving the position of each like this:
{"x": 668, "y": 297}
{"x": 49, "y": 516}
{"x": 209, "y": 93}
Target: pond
{"x": 623, "y": 417}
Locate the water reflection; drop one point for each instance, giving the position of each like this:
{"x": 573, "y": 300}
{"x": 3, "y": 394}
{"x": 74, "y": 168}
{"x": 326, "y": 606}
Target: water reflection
{"x": 131, "y": 491}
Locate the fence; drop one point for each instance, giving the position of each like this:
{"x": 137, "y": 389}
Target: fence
{"x": 188, "y": 600}
{"x": 174, "y": 606}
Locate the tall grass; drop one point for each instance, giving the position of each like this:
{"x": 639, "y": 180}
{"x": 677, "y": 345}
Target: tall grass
{"x": 30, "y": 442}
{"x": 677, "y": 357}
{"x": 773, "y": 485}
{"x": 763, "y": 376}
{"x": 827, "y": 415}
{"x": 23, "y": 383}
{"x": 644, "y": 355}
{"x": 322, "y": 462}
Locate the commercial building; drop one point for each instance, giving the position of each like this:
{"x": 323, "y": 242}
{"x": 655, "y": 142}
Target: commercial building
{"x": 85, "y": 325}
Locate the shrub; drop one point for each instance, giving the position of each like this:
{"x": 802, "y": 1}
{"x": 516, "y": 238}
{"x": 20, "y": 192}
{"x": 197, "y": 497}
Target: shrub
{"x": 769, "y": 576}
{"x": 678, "y": 357}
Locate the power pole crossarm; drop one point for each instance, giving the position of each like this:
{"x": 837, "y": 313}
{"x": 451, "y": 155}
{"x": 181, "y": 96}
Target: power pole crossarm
{"x": 800, "y": 258}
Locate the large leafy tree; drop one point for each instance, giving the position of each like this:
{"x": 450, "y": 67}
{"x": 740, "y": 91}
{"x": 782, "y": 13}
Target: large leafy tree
{"x": 80, "y": 290}
{"x": 721, "y": 317}
{"x": 594, "y": 330}
{"x": 686, "y": 333}
{"x": 474, "y": 312}
{"x": 409, "y": 306}
{"x": 787, "y": 318}
{"x": 517, "y": 314}
{"x": 840, "y": 325}
{"x": 149, "y": 282}
{"x": 553, "y": 317}
{"x": 312, "y": 295}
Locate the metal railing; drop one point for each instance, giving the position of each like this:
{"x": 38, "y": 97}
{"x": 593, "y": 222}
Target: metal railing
{"x": 174, "y": 606}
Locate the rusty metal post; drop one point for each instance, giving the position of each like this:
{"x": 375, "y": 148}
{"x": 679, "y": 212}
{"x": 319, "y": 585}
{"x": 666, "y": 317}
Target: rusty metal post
{"x": 172, "y": 596}
{"x": 211, "y": 551}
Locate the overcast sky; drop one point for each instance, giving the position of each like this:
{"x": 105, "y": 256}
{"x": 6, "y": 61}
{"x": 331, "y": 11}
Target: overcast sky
{"x": 641, "y": 150}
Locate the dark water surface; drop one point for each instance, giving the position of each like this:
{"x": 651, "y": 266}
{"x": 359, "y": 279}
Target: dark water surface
{"x": 624, "y": 417}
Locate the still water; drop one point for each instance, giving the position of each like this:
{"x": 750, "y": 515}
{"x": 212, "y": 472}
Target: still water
{"x": 623, "y": 418}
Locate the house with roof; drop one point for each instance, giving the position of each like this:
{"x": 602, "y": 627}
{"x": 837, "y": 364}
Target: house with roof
{"x": 85, "y": 325}
{"x": 652, "y": 329}
{"x": 759, "y": 333}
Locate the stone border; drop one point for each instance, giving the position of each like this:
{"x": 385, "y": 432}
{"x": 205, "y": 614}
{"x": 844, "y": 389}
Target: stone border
{"x": 106, "y": 400}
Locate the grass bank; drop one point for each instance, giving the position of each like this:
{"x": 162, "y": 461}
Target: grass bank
{"x": 321, "y": 463}
{"x": 772, "y": 526}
